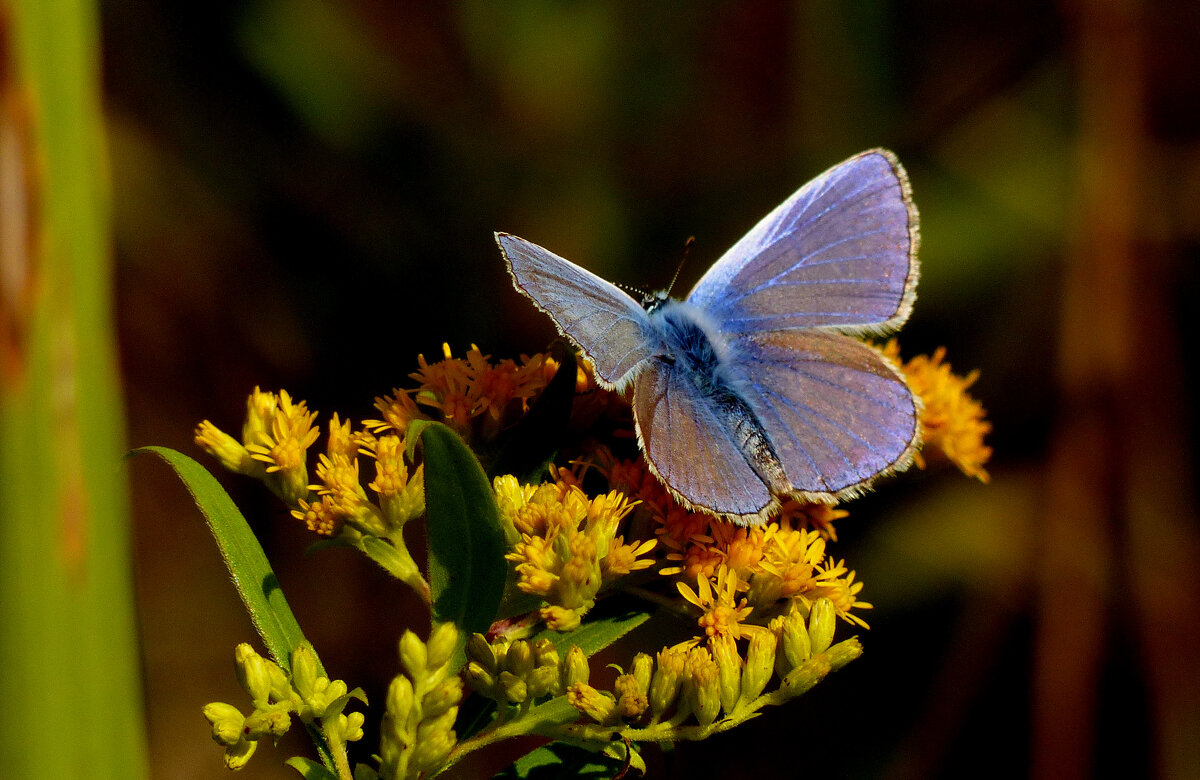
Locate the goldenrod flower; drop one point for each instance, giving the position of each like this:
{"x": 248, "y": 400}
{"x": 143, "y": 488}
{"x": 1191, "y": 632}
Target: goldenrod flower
{"x": 952, "y": 420}
{"x": 401, "y": 496}
{"x": 741, "y": 548}
{"x": 281, "y": 438}
{"x": 341, "y": 489}
{"x": 631, "y": 698}
{"x": 625, "y": 558}
{"x": 597, "y": 705}
{"x": 463, "y": 389}
{"x": 319, "y": 517}
{"x": 818, "y": 517}
{"x": 836, "y": 583}
{"x": 230, "y": 452}
{"x": 566, "y": 549}
{"x": 398, "y": 410}
{"x": 721, "y": 613}
{"x": 342, "y": 440}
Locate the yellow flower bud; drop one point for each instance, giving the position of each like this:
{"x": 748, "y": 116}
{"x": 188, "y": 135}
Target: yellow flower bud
{"x": 519, "y": 659}
{"x": 642, "y": 669}
{"x": 794, "y": 641}
{"x": 480, "y": 651}
{"x": 591, "y": 702}
{"x": 227, "y": 723}
{"x": 348, "y": 727}
{"x": 701, "y": 689}
{"x": 400, "y": 699}
{"x": 304, "y": 672}
{"x": 562, "y": 619}
{"x": 413, "y": 656}
{"x": 822, "y": 619}
{"x": 665, "y": 683}
{"x": 447, "y": 694}
{"x": 430, "y": 752}
{"x": 238, "y": 755}
{"x": 760, "y": 663}
{"x": 479, "y": 679}
{"x": 729, "y": 671}
{"x": 631, "y": 700}
{"x": 253, "y": 673}
{"x": 442, "y": 640}
{"x": 542, "y": 681}
{"x": 515, "y": 689}
{"x": 576, "y": 668}
{"x": 227, "y": 450}
{"x": 545, "y": 653}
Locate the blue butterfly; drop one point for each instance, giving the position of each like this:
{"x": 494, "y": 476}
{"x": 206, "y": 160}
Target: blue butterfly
{"x": 753, "y": 388}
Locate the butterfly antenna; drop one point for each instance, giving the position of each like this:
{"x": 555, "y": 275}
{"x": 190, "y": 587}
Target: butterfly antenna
{"x": 687, "y": 246}
{"x": 635, "y": 291}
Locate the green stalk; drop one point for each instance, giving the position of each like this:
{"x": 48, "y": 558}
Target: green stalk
{"x": 68, "y": 650}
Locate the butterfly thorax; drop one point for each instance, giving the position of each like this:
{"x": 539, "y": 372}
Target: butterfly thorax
{"x": 690, "y": 341}
{"x": 693, "y": 346}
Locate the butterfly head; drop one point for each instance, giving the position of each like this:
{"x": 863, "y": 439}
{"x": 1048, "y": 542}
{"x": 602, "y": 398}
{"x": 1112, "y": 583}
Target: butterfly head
{"x": 654, "y": 301}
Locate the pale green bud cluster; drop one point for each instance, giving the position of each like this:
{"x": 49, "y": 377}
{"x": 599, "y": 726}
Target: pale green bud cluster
{"x": 801, "y": 638}
{"x": 721, "y": 681}
{"x": 518, "y": 672}
{"x": 422, "y": 704}
{"x": 312, "y": 696}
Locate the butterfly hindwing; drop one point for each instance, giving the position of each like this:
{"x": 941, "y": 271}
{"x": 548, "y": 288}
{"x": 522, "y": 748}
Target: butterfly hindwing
{"x": 837, "y": 413}
{"x": 689, "y": 447}
{"x": 840, "y": 252}
{"x": 610, "y": 328}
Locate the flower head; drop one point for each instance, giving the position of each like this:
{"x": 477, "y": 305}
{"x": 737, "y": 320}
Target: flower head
{"x": 566, "y": 546}
{"x": 722, "y": 614}
{"x": 953, "y": 421}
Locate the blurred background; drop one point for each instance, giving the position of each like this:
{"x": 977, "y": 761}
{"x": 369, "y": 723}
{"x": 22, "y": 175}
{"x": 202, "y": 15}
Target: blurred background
{"x": 304, "y": 194}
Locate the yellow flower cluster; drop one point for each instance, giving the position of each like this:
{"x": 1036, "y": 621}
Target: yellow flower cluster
{"x": 276, "y": 437}
{"x": 418, "y": 734}
{"x": 565, "y": 545}
{"x": 714, "y": 686}
{"x": 954, "y": 423}
{"x": 307, "y": 693}
{"x": 465, "y": 391}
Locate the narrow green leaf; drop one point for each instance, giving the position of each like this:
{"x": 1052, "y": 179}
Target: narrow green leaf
{"x": 560, "y": 760}
{"x": 595, "y": 635}
{"x": 309, "y": 769}
{"x": 252, "y": 574}
{"x": 466, "y": 544}
{"x": 530, "y": 445}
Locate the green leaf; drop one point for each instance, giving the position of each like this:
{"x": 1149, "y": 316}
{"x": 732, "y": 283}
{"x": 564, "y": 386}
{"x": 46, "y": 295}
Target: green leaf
{"x": 466, "y": 544}
{"x": 560, "y": 760}
{"x": 309, "y": 769}
{"x": 530, "y": 445}
{"x": 252, "y": 574}
{"x": 595, "y": 635}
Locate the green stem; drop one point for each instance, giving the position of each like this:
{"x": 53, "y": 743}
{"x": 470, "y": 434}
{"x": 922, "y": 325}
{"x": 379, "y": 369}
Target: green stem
{"x": 337, "y": 749}
{"x": 393, "y": 556}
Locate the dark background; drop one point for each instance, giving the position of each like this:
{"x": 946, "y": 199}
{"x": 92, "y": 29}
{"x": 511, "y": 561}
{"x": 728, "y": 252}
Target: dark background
{"x": 305, "y": 196}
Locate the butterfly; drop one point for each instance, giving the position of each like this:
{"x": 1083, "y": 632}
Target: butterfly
{"x": 754, "y": 388}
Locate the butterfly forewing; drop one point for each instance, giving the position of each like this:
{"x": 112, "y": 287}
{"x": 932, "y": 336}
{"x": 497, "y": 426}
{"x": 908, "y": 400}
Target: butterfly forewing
{"x": 689, "y": 447}
{"x": 610, "y": 327}
{"x": 840, "y": 252}
{"x": 837, "y": 413}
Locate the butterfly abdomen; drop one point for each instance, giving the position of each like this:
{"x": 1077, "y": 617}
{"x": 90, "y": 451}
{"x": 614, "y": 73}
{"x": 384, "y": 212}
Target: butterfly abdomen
{"x": 699, "y": 351}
